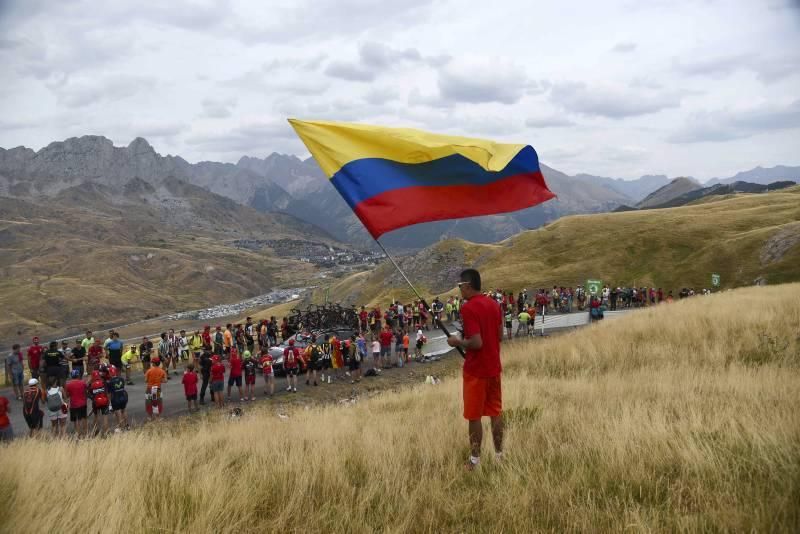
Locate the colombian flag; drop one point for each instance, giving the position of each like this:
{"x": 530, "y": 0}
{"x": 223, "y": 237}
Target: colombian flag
{"x": 396, "y": 177}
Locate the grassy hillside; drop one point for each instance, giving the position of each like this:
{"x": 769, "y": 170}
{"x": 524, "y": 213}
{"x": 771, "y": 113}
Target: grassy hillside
{"x": 669, "y": 248}
{"x": 64, "y": 268}
{"x": 680, "y": 417}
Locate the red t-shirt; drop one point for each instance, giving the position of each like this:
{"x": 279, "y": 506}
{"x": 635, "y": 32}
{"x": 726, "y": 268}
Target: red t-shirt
{"x": 189, "y": 383}
{"x": 4, "y": 422}
{"x": 217, "y": 372}
{"x": 35, "y": 356}
{"x": 290, "y": 357}
{"x": 76, "y": 389}
{"x": 363, "y": 317}
{"x": 266, "y": 364}
{"x": 236, "y": 367}
{"x": 386, "y": 338}
{"x": 482, "y": 315}
{"x": 94, "y": 354}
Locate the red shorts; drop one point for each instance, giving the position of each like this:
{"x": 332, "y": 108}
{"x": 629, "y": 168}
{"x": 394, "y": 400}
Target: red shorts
{"x": 250, "y": 379}
{"x": 482, "y": 397}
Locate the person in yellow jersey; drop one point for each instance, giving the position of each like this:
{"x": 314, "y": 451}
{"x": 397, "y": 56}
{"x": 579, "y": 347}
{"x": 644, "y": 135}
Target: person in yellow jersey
{"x": 196, "y": 347}
{"x": 129, "y": 356}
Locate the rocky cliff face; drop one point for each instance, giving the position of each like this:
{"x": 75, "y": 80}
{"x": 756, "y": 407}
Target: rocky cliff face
{"x": 277, "y": 183}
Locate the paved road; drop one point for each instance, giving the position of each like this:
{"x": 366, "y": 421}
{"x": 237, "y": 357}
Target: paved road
{"x": 175, "y": 402}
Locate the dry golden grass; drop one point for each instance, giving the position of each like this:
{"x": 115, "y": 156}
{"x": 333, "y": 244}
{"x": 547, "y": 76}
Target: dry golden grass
{"x": 681, "y": 417}
{"x": 669, "y": 248}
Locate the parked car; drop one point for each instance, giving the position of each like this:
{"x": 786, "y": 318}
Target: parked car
{"x": 301, "y": 341}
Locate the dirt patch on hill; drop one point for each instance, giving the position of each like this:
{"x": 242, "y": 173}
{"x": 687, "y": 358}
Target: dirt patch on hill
{"x": 780, "y": 243}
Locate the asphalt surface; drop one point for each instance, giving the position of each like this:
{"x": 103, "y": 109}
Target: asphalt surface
{"x": 174, "y": 399}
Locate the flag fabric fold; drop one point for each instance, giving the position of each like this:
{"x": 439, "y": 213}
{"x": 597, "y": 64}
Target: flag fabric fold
{"x": 396, "y": 177}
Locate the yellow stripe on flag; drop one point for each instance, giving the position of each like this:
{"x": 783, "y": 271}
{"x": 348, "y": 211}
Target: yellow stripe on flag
{"x": 334, "y": 144}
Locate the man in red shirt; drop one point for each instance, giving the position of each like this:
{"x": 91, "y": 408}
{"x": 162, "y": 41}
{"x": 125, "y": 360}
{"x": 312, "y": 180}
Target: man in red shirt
{"x": 75, "y": 393}
{"x": 6, "y": 432}
{"x": 483, "y": 330}
{"x": 386, "y": 347}
{"x": 94, "y": 355}
{"x": 35, "y": 357}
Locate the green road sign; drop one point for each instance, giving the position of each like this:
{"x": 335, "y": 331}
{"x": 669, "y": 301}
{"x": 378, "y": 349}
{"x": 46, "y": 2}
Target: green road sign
{"x": 715, "y": 279}
{"x": 593, "y": 287}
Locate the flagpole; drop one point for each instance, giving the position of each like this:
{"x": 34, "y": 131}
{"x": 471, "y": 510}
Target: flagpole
{"x": 430, "y": 311}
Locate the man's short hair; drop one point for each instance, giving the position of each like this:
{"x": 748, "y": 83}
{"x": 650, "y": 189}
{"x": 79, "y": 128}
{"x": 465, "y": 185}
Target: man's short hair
{"x": 473, "y": 277}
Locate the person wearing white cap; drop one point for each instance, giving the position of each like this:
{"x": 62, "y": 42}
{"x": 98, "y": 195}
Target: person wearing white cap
{"x": 31, "y": 410}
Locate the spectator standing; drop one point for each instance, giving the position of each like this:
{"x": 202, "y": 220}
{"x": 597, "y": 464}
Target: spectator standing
{"x": 482, "y": 391}
{"x": 190, "y": 387}
{"x": 75, "y": 393}
{"x": 78, "y": 357}
{"x": 6, "y": 430}
{"x": 31, "y": 410}
{"x": 15, "y": 370}
{"x": 56, "y": 407}
{"x": 34, "y": 357}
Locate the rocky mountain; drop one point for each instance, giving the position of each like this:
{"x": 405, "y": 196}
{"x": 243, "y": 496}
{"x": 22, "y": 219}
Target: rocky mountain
{"x": 675, "y": 188}
{"x": 761, "y": 175}
{"x": 635, "y": 190}
{"x": 722, "y": 189}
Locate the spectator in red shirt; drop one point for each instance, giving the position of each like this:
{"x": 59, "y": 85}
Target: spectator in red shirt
{"x": 75, "y": 393}
{"x": 483, "y": 330}
{"x": 217, "y": 380}
{"x": 6, "y": 432}
{"x": 291, "y": 365}
{"x": 190, "y": 386}
{"x": 35, "y": 357}
{"x": 94, "y": 355}
{"x": 385, "y": 338}
{"x": 235, "y": 376}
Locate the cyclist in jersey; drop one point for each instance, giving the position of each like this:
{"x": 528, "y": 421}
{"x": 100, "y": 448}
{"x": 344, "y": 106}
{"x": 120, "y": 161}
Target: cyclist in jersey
{"x": 119, "y": 397}
{"x": 114, "y": 348}
{"x": 98, "y": 392}
{"x": 127, "y": 358}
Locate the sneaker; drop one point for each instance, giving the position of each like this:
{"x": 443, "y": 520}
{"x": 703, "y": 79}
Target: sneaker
{"x": 241, "y": 399}
{"x": 294, "y": 390}
{"x": 289, "y": 388}
{"x": 129, "y": 382}
{"x": 329, "y": 380}
{"x": 315, "y": 382}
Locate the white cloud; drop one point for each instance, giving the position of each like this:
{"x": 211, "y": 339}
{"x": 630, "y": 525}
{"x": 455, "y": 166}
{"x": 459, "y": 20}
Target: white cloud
{"x": 216, "y": 79}
{"x": 615, "y": 102}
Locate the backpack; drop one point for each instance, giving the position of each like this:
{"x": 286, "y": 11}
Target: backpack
{"x": 54, "y": 401}
{"x": 30, "y": 400}
{"x": 99, "y": 394}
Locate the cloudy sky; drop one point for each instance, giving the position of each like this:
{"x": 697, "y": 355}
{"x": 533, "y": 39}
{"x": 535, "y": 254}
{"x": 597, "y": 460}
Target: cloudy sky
{"x": 701, "y": 87}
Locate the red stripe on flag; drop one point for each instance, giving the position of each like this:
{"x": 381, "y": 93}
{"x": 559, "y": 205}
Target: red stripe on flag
{"x": 412, "y": 205}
